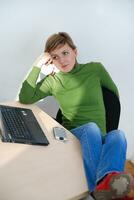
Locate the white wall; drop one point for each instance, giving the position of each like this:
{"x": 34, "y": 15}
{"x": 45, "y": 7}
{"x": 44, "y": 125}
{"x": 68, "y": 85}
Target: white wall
{"x": 102, "y": 29}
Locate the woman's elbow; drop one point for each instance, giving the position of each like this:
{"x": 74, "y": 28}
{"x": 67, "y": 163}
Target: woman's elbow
{"x": 24, "y": 100}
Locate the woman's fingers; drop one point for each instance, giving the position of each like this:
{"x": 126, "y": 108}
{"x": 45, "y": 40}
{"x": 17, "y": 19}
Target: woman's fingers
{"x": 43, "y": 60}
{"x": 49, "y": 61}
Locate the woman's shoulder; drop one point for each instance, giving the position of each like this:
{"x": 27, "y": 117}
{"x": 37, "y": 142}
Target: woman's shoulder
{"x": 93, "y": 63}
{"x": 93, "y": 66}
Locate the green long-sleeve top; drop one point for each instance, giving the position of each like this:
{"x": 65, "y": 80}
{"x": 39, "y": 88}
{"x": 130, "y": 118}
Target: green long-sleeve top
{"x": 78, "y": 92}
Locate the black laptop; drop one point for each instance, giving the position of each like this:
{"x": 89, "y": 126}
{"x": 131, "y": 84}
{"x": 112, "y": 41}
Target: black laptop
{"x": 19, "y": 125}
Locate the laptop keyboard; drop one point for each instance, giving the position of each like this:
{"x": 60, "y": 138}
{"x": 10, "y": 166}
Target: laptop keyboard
{"x": 15, "y": 123}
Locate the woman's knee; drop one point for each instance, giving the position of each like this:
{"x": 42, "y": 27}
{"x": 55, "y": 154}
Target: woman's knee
{"x": 117, "y": 136}
{"x": 92, "y": 126}
{"x": 91, "y": 129}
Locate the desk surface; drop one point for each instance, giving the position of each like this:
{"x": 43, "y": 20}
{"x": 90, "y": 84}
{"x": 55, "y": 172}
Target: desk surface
{"x": 32, "y": 172}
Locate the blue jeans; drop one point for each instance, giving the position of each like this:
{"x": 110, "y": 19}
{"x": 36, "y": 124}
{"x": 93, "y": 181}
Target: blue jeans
{"x": 101, "y": 154}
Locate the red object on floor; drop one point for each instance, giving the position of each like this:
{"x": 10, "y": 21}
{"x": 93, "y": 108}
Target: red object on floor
{"x": 105, "y": 183}
{"x": 115, "y": 185}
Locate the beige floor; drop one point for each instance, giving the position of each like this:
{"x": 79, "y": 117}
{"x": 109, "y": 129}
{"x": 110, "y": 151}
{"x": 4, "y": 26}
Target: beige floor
{"x": 88, "y": 198}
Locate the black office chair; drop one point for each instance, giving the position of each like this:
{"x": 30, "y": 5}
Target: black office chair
{"x": 112, "y": 107}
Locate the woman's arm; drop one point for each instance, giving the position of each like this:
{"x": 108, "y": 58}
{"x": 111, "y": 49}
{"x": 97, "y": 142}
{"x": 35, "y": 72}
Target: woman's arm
{"x": 106, "y": 80}
{"x": 31, "y": 91}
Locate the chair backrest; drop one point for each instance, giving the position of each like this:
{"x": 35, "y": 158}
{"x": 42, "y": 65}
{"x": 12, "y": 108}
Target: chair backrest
{"x": 112, "y": 108}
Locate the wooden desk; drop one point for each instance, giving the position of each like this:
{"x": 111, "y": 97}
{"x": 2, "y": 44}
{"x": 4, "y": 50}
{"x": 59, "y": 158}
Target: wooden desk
{"x": 30, "y": 172}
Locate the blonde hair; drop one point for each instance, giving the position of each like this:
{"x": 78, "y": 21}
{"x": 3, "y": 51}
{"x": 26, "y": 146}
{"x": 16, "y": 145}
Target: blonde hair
{"x": 57, "y": 40}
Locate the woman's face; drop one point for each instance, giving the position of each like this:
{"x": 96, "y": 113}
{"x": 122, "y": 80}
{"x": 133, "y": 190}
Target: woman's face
{"x": 64, "y": 58}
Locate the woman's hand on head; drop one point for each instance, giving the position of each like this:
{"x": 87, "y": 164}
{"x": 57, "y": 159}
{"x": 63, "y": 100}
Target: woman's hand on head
{"x": 43, "y": 60}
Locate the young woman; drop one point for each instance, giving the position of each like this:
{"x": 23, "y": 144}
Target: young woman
{"x": 77, "y": 88}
